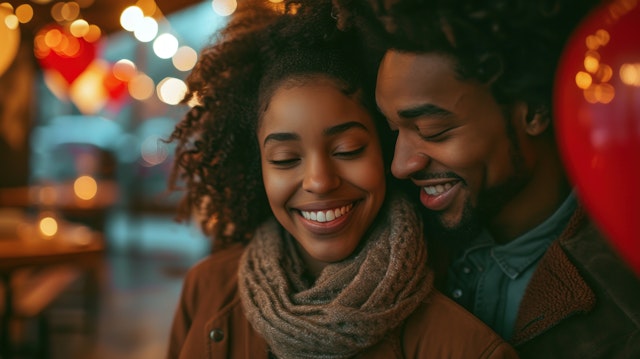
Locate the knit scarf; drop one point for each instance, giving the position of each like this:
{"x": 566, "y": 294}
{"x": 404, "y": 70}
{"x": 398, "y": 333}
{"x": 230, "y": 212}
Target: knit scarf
{"x": 352, "y": 305}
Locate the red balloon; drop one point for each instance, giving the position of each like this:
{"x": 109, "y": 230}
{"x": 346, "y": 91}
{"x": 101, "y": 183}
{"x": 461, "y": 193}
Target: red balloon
{"x": 597, "y": 114}
{"x": 57, "y": 49}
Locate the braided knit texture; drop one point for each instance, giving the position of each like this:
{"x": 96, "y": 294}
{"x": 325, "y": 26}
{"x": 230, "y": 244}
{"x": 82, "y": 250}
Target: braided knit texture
{"x": 352, "y": 305}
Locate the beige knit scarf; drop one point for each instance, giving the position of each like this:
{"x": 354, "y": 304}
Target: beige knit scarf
{"x": 352, "y": 305}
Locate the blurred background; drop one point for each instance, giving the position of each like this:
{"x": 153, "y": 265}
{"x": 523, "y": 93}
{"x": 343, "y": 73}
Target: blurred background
{"x": 91, "y": 258}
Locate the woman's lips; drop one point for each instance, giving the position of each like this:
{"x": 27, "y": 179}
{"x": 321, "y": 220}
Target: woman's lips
{"x": 326, "y": 221}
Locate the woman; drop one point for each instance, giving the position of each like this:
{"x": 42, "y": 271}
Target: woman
{"x": 312, "y": 257}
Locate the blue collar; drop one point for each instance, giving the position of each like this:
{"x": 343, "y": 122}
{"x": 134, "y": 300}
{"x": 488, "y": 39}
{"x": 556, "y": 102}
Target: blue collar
{"x": 519, "y": 254}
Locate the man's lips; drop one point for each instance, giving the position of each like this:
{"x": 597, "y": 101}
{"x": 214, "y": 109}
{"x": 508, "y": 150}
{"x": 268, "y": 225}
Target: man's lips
{"x": 438, "y": 195}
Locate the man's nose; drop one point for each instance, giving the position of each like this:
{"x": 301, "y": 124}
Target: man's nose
{"x": 320, "y": 176}
{"x": 407, "y": 157}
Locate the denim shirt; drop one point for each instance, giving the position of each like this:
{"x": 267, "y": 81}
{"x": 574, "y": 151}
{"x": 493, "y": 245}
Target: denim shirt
{"x": 490, "y": 279}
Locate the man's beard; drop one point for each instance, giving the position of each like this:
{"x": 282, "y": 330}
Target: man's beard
{"x": 456, "y": 235}
{"x": 474, "y": 218}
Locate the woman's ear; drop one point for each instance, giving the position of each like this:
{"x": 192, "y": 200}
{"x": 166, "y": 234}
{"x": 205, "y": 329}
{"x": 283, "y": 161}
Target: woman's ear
{"x": 533, "y": 119}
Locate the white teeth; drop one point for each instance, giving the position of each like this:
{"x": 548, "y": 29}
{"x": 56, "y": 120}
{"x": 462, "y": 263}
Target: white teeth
{"x": 328, "y": 215}
{"x": 331, "y": 215}
{"x": 437, "y": 189}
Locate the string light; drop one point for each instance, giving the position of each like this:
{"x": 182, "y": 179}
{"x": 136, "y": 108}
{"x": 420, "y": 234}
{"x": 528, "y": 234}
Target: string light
{"x": 141, "y": 19}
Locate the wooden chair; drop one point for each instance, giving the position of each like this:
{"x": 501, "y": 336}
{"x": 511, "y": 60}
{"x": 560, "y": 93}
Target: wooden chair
{"x": 33, "y": 292}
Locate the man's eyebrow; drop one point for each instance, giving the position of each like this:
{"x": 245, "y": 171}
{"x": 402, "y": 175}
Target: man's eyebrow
{"x": 426, "y": 110}
{"x": 343, "y": 127}
{"x": 280, "y": 137}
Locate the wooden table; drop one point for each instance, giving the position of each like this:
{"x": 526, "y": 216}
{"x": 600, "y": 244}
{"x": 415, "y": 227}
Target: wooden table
{"x": 22, "y": 245}
{"x": 61, "y": 197}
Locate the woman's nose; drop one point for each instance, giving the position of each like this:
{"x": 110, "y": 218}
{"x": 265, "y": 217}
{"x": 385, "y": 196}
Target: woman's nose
{"x": 320, "y": 176}
{"x": 407, "y": 157}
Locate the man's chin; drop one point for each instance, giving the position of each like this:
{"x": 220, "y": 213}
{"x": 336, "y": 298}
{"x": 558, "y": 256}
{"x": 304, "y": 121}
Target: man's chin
{"x": 456, "y": 235}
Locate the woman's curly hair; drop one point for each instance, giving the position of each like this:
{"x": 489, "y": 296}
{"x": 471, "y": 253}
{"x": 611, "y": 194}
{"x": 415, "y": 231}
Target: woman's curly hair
{"x": 217, "y": 154}
{"x": 512, "y": 45}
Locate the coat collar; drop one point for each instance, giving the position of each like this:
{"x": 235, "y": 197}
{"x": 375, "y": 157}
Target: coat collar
{"x": 556, "y": 291}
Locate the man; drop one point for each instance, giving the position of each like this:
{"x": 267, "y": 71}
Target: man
{"x": 467, "y": 86}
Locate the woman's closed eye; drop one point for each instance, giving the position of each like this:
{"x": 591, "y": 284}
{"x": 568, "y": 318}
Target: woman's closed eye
{"x": 348, "y": 153}
{"x": 284, "y": 162}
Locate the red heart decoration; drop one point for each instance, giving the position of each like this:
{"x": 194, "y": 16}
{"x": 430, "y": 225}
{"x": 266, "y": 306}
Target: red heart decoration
{"x": 56, "y": 49}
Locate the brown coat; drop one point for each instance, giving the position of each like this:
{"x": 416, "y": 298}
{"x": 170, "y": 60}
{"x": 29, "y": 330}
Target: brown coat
{"x": 209, "y": 323}
{"x": 583, "y": 301}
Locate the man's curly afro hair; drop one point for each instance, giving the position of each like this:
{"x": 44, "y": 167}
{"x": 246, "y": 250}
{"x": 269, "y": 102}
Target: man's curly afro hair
{"x": 512, "y": 45}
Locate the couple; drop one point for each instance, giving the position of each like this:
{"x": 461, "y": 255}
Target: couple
{"x": 318, "y": 254}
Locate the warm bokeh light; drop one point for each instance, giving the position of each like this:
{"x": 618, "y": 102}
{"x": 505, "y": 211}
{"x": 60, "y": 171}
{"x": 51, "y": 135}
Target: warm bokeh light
{"x": 603, "y": 37}
{"x": 146, "y": 30}
{"x": 583, "y": 80}
{"x": 70, "y": 11}
{"x": 619, "y": 8}
{"x": 48, "y": 226}
{"x": 88, "y": 92}
{"x": 592, "y": 42}
{"x": 53, "y": 38}
{"x": 141, "y": 87}
{"x": 148, "y": 7}
{"x": 56, "y": 11}
{"x": 41, "y": 2}
{"x": 630, "y": 74}
{"x": 10, "y": 41}
{"x": 600, "y": 38}
{"x": 24, "y": 13}
{"x": 11, "y": 22}
{"x": 85, "y": 187}
{"x": 591, "y": 63}
{"x": 600, "y": 93}
{"x": 131, "y": 17}
{"x": 224, "y": 7}
{"x": 70, "y": 47}
{"x": 276, "y": 1}
{"x": 93, "y": 34}
{"x": 604, "y": 73}
{"x": 171, "y": 90}
{"x": 124, "y": 70}
{"x": 79, "y": 28}
{"x": 165, "y": 46}
{"x": 185, "y": 58}
{"x": 152, "y": 151}
{"x": 594, "y": 82}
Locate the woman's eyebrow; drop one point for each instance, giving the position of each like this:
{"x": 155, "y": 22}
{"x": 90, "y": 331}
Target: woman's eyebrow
{"x": 281, "y": 137}
{"x": 334, "y": 130}
{"x": 331, "y": 131}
